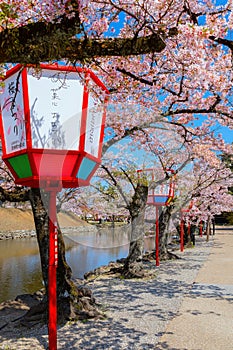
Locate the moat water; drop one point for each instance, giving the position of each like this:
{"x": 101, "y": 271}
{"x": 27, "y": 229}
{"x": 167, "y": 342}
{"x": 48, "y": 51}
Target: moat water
{"x": 20, "y": 270}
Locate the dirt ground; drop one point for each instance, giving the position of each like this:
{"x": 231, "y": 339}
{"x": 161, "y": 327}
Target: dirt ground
{"x": 12, "y": 219}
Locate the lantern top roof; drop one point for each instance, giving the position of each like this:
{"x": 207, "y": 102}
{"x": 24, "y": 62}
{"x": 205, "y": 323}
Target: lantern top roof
{"x": 57, "y": 67}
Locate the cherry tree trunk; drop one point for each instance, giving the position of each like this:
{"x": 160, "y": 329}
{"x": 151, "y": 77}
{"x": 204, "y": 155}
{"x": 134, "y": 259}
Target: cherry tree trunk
{"x": 208, "y": 229}
{"x": 133, "y": 265}
{"x": 164, "y": 219}
{"x": 69, "y": 296}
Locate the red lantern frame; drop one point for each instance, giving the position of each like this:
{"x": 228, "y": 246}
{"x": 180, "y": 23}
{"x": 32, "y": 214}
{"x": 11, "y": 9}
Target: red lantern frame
{"x": 159, "y": 199}
{"x": 50, "y": 168}
{"x": 43, "y": 167}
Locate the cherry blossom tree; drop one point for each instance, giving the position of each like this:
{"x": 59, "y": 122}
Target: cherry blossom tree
{"x": 163, "y": 61}
{"x": 206, "y": 186}
{"x": 167, "y": 150}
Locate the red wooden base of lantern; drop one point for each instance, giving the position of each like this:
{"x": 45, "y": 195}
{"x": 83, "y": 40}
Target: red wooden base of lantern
{"x": 36, "y": 168}
{"x": 52, "y": 272}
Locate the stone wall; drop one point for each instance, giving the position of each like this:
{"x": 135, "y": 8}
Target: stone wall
{"x": 18, "y": 234}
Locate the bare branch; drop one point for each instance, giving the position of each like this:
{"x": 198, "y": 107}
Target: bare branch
{"x": 226, "y": 42}
{"x": 19, "y": 194}
{"x": 116, "y": 184}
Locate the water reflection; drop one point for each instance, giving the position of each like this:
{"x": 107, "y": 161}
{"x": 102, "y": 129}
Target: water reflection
{"x": 20, "y": 270}
{"x": 19, "y": 267}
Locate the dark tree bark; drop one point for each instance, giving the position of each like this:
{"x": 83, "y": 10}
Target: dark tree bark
{"x": 18, "y": 194}
{"x": 133, "y": 265}
{"x": 73, "y": 300}
{"x": 208, "y": 229}
{"x": 46, "y": 41}
{"x": 213, "y": 226}
{"x": 164, "y": 219}
{"x": 40, "y": 216}
{"x": 39, "y": 42}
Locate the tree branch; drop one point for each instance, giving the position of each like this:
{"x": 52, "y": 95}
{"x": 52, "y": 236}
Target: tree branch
{"x": 40, "y": 41}
{"x": 17, "y": 195}
{"x": 226, "y": 42}
{"x": 116, "y": 184}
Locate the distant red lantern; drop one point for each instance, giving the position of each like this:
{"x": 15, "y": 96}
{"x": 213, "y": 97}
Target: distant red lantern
{"x": 52, "y": 128}
{"x": 162, "y": 195}
{"x": 201, "y": 228}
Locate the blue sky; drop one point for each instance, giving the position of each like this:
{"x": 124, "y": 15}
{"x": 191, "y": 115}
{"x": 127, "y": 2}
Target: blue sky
{"x": 218, "y": 129}
{"x": 226, "y": 133}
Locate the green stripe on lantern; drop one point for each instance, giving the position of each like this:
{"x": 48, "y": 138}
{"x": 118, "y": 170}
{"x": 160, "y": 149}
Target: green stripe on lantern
{"x": 21, "y": 165}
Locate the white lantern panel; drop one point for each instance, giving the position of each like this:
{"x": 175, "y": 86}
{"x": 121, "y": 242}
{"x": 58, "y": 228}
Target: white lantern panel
{"x": 162, "y": 189}
{"x": 93, "y": 126}
{"x": 55, "y": 101}
{"x": 12, "y": 109}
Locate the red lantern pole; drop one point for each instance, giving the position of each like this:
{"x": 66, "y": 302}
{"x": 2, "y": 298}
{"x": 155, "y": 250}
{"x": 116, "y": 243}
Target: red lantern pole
{"x": 157, "y": 236}
{"x": 182, "y": 233}
{"x": 52, "y": 272}
{"x": 201, "y": 229}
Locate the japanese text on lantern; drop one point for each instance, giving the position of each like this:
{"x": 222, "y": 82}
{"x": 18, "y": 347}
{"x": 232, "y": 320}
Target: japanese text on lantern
{"x": 59, "y": 82}
{"x": 94, "y": 122}
{"x": 56, "y": 106}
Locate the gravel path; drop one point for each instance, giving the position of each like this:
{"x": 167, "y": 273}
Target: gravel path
{"x": 137, "y": 311}
{"x": 205, "y": 318}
